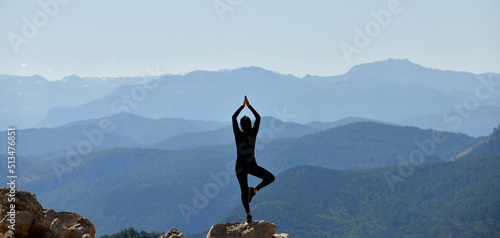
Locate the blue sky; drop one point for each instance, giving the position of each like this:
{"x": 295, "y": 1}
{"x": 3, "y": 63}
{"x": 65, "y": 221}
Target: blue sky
{"x": 125, "y": 38}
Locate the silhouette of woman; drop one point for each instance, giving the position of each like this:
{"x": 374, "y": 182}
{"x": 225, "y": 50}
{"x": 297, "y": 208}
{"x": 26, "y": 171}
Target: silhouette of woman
{"x": 245, "y": 162}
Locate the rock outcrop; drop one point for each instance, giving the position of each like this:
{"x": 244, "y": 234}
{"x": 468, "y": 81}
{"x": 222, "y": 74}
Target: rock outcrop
{"x": 257, "y": 229}
{"x": 32, "y": 220}
{"x": 172, "y": 233}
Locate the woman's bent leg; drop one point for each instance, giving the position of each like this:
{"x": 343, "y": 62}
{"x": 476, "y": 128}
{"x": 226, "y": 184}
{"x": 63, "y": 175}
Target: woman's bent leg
{"x": 266, "y": 176}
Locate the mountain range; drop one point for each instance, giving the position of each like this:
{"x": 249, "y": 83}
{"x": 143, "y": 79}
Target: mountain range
{"x": 397, "y": 91}
{"x": 389, "y": 149}
{"x": 193, "y": 188}
{"x": 124, "y": 130}
{"x": 129, "y": 130}
{"x": 25, "y": 100}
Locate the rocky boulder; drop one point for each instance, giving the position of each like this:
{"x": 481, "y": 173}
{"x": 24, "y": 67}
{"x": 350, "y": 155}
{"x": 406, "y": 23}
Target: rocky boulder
{"x": 32, "y": 220}
{"x": 173, "y": 233}
{"x": 257, "y": 229}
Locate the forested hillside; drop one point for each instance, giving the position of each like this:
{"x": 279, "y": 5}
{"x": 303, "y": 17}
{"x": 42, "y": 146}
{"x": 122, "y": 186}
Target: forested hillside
{"x": 444, "y": 199}
{"x": 164, "y": 185}
{"x": 488, "y": 146}
{"x": 447, "y": 199}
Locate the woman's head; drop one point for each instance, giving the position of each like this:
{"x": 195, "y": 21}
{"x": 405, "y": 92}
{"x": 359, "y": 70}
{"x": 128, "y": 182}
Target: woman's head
{"x": 246, "y": 124}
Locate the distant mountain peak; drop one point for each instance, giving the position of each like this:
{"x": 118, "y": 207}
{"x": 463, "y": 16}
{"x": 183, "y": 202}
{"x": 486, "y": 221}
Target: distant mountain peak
{"x": 403, "y": 70}
{"x": 249, "y": 71}
{"x": 384, "y": 65}
{"x": 252, "y": 70}
{"x": 72, "y": 78}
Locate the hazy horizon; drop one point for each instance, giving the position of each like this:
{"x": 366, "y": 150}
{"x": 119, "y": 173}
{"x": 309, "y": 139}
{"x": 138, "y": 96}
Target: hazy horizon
{"x": 158, "y": 72}
{"x": 56, "y": 38}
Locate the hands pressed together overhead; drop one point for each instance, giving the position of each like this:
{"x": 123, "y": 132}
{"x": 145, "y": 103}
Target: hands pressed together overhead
{"x": 245, "y": 102}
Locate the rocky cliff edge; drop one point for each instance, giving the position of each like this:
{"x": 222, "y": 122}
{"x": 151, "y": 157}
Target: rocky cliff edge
{"x": 22, "y": 216}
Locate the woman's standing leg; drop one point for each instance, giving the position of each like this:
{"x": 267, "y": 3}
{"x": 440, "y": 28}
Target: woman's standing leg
{"x": 242, "y": 176}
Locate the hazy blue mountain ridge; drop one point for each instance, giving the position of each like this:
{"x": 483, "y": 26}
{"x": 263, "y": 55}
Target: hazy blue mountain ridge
{"x": 407, "y": 72}
{"x": 129, "y": 130}
{"x": 381, "y": 90}
{"x": 391, "y": 90}
{"x": 270, "y": 129}
{"x": 364, "y": 145}
{"x": 478, "y": 122}
{"x": 120, "y": 130}
{"x": 25, "y": 100}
